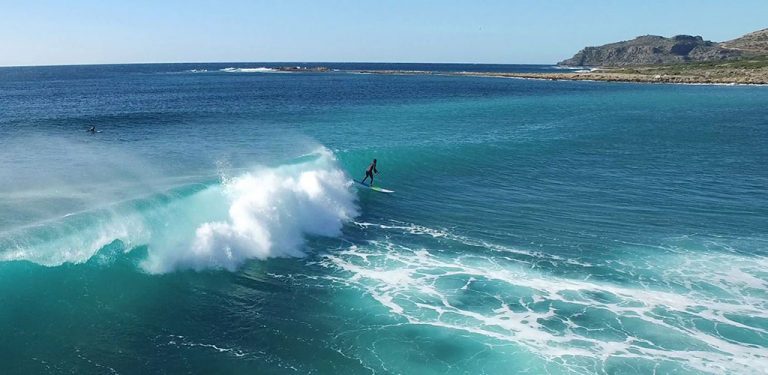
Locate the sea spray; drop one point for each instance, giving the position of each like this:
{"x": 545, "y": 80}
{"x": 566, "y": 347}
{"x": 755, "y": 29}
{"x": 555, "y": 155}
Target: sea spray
{"x": 74, "y": 238}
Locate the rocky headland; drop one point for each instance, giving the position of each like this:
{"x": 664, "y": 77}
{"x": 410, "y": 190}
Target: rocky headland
{"x": 656, "y": 59}
{"x": 652, "y": 49}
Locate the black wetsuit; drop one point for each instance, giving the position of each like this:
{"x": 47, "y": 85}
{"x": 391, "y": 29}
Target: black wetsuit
{"x": 369, "y": 172}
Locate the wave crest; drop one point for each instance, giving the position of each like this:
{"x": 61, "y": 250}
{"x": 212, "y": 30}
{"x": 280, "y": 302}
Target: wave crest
{"x": 270, "y": 213}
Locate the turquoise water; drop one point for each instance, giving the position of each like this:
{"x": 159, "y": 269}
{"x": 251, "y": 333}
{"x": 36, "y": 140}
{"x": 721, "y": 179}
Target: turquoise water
{"x": 537, "y": 226}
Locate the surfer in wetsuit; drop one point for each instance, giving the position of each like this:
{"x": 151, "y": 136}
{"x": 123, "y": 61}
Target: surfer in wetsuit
{"x": 370, "y": 171}
{"x": 92, "y": 129}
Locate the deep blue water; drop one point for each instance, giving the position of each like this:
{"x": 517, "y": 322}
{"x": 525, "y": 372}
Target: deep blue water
{"x": 211, "y": 225}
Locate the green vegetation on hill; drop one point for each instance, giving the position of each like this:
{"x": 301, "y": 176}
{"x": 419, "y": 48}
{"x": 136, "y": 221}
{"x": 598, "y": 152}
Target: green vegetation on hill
{"x": 756, "y": 62}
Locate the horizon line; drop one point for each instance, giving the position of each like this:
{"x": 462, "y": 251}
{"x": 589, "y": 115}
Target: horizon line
{"x": 267, "y": 62}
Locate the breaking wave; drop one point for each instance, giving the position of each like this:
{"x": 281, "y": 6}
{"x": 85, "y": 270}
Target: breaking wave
{"x": 261, "y": 69}
{"x": 266, "y": 212}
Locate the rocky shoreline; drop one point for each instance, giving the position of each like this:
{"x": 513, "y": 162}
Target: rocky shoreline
{"x": 735, "y": 76}
{"x": 608, "y": 76}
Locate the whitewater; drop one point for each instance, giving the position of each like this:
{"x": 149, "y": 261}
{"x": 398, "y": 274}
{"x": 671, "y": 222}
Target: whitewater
{"x": 213, "y": 226}
{"x": 258, "y": 214}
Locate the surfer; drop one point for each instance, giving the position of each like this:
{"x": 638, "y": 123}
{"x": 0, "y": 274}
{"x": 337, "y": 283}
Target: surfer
{"x": 370, "y": 171}
{"x": 92, "y": 129}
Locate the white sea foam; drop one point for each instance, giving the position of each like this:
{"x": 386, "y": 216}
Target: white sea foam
{"x": 181, "y": 341}
{"x": 572, "y": 321}
{"x": 270, "y": 211}
{"x": 446, "y": 234}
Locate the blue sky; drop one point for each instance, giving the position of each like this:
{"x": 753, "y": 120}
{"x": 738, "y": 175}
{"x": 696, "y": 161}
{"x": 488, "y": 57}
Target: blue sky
{"x": 89, "y": 32}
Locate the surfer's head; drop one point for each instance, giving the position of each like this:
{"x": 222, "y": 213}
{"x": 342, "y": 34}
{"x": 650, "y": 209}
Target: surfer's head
{"x": 374, "y": 161}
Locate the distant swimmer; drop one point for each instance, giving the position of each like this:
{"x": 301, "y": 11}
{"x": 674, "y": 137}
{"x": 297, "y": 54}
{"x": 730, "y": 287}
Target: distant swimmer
{"x": 92, "y": 129}
{"x": 370, "y": 171}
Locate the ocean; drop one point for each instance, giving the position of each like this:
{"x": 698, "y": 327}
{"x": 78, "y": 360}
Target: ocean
{"x": 211, "y": 224}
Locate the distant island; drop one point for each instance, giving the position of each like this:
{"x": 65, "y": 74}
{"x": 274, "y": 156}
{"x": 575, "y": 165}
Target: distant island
{"x": 656, "y": 59}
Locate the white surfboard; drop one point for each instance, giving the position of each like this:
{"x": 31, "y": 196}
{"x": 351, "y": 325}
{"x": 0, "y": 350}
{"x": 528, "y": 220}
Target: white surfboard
{"x": 374, "y": 188}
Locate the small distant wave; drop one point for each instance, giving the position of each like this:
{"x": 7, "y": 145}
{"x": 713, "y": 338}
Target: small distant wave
{"x": 558, "y": 67}
{"x": 197, "y": 71}
{"x": 261, "y": 69}
{"x": 574, "y": 69}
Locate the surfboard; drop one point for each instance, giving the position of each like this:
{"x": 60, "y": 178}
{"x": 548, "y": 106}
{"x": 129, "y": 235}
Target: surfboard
{"x": 374, "y": 188}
